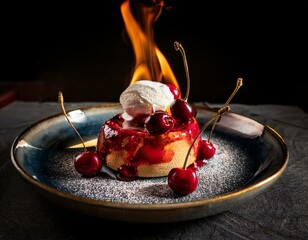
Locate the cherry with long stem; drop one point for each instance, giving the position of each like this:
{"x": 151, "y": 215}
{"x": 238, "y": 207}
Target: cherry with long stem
{"x": 180, "y": 108}
{"x": 87, "y": 163}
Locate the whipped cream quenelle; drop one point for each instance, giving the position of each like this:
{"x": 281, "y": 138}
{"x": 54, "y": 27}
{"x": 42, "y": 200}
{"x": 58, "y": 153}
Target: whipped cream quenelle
{"x": 145, "y": 97}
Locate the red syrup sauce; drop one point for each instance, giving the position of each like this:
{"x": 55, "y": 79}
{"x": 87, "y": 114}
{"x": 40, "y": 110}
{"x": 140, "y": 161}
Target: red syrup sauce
{"x": 142, "y": 147}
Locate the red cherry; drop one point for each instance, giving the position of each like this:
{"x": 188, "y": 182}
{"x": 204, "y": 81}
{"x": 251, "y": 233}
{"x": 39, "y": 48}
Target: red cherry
{"x": 181, "y": 110}
{"x": 88, "y": 163}
{"x": 207, "y": 150}
{"x": 174, "y": 90}
{"x": 182, "y": 181}
{"x": 159, "y": 122}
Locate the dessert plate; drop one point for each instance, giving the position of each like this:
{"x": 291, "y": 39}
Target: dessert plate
{"x": 249, "y": 158}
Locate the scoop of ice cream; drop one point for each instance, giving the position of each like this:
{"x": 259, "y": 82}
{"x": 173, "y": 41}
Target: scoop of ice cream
{"x": 145, "y": 97}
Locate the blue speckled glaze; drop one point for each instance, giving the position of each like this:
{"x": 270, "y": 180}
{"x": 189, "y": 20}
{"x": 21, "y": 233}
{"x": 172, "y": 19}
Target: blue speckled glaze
{"x": 247, "y": 154}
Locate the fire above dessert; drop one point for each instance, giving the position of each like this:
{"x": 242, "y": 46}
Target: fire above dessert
{"x": 156, "y": 135}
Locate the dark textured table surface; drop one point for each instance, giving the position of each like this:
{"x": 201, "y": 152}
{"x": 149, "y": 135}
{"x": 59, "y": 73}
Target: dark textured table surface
{"x": 281, "y": 212}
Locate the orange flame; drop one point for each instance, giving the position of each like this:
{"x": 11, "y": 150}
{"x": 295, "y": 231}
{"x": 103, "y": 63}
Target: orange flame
{"x": 150, "y": 62}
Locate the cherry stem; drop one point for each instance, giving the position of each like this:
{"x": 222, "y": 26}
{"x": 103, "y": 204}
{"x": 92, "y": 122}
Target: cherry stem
{"x": 217, "y": 115}
{"x": 212, "y": 129}
{"x": 239, "y": 83}
{"x": 177, "y": 47}
{"x": 61, "y": 101}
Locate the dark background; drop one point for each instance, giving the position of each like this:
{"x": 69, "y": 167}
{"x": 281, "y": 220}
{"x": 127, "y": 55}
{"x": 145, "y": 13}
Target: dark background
{"x": 81, "y": 50}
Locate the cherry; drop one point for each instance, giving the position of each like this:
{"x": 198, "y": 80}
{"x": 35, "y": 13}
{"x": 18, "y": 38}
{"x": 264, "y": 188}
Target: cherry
{"x": 207, "y": 150}
{"x": 181, "y": 110}
{"x": 159, "y": 122}
{"x": 174, "y": 90}
{"x": 88, "y": 163}
{"x": 182, "y": 181}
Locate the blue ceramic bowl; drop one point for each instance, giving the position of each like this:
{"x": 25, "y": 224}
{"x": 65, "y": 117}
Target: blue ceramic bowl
{"x": 249, "y": 158}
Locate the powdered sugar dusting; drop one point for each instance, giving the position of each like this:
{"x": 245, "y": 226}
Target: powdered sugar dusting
{"x": 227, "y": 171}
